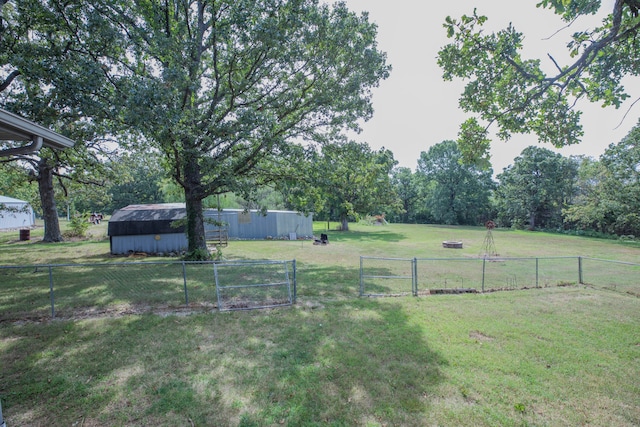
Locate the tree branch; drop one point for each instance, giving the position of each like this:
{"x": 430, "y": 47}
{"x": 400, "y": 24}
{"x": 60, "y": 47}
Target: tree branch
{"x": 5, "y": 84}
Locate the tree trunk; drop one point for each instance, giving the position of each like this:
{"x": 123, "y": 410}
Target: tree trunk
{"x": 48, "y": 201}
{"x": 195, "y": 228}
{"x": 344, "y": 223}
{"x": 195, "y": 218}
{"x": 532, "y": 221}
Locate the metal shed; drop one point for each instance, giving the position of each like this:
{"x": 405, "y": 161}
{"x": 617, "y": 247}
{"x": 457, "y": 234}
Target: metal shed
{"x": 147, "y": 228}
{"x": 255, "y": 224}
{"x": 15, "y": 213}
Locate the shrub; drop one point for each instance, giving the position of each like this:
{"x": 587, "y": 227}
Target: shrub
{"x": 78, "y": 225}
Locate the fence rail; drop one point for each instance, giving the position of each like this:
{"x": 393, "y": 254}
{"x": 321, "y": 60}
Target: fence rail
{"x": 416, "y": 276}
{"x": 65, "y": 290}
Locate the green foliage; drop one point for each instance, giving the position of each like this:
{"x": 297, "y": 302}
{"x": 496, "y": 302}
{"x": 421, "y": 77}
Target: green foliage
{"x": 139, "y": 181}
{"x": 473, "y": 143}
{"x": 15, "y": 182}
{"x": 407, "y": 187}
{"x": 53, "y": 74}
{"x": 535, "y": 189}
{"x": 78, "y": 225}
{"x": 458, "y": 193}
{"x": 516, "y": 95}
{"x": 198, "y": 254}
{"x": 609, "y": 199}
{"x": 345, "y": 181}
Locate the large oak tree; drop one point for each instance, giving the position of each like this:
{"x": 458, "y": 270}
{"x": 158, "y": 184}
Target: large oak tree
{"x": 223, "y": 87}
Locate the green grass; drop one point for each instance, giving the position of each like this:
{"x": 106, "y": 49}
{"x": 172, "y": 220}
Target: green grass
{"x": 552, "y": 356}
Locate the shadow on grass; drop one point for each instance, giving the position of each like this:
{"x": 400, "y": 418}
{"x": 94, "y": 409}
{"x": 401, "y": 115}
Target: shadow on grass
{"x": 375, "y": 234}
{"x": 68, "y": 252}
{"x": 316, "y": 280}
{"x": 85, "y": 290}
{"x": 354, "y": 363}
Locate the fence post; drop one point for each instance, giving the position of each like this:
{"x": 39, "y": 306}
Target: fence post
{"x": 215, "y": 276}
{"x": 184, "y": 278}
{"x": 537, "y": 273}
{"x": 53, "y": 309}
{"x": 2, "y": 423}
{"x": 484, "y": 266}
{"x": 414, "y": 276}
{"x": 580, "y": 278}
{"x": 361, "y": 278}
{"x": 295, "y": 282}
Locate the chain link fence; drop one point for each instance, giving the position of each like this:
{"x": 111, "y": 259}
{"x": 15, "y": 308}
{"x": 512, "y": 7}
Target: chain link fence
{"x": 421, "y": 276}
{"x": 76, "y": 290}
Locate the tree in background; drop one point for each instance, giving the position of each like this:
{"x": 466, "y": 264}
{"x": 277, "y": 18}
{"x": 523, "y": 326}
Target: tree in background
{"x": 459, "y": 193}
{"x": 407, "y": 188}
{"x": 535, "y": 189}
{"x": 610, "y": 198}
{"x": 344, "y": 181}
{"x": 517, "y": 96}
{"x": 139, "y": 180}
{"x": 223, "y": 88}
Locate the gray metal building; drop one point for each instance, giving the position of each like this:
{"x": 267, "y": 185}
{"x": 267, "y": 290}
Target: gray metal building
{"x": 253, "y": 224}
{"x": 150, "y": 228}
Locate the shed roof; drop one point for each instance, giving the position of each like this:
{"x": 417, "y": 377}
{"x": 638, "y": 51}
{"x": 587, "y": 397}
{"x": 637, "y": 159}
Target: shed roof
{"x": 151, "y": 212}
{"x": 5, "y": 199}
{"x": 16, "y": 128}
{"x": 147, "y": 219}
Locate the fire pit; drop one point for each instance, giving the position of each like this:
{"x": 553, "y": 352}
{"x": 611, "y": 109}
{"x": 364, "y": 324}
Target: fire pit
{"x": 452, "y": 244}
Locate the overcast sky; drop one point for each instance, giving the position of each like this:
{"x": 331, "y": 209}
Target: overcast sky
{"x": 415, "y": 108}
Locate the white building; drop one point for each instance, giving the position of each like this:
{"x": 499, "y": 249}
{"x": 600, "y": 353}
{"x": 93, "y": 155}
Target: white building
{"x": 15, "y": 213}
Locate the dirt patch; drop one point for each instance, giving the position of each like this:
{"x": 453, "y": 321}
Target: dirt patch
{"x": 115, "y": 312}
{"x": 479, "y": 336}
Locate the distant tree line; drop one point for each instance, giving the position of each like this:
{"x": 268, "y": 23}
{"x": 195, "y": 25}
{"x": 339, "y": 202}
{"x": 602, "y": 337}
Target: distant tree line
{"x": 541, "y": 190}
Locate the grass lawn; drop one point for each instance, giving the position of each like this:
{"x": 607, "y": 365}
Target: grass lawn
{"x": 556, "y": 356}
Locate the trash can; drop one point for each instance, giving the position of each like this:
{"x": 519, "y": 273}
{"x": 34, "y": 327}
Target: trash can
{"x": 25, "y": 234}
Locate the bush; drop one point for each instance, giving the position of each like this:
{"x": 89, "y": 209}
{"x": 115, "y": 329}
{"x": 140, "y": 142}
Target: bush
{"x": 78, "y": 225}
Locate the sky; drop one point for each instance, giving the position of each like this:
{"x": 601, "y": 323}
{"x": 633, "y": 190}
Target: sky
{"x": 415, "y": 108}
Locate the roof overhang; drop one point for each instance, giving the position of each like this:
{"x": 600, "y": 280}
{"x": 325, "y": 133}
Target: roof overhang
{"x": 16, "y": 128}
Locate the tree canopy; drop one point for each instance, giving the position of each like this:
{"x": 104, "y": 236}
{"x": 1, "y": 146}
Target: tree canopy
{"x": 535, "y": 189}
{"x": 518, "y": 96}
{"x": 407, "y": 187}
{"x": 344, "y": 181}
{"x": 459, "y": 193}
{"x": 610, "y": 198}
{"x": 223, "y": 88}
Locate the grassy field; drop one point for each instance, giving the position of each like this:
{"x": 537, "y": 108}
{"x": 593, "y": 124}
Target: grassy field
{"x": 555, "y": 356}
